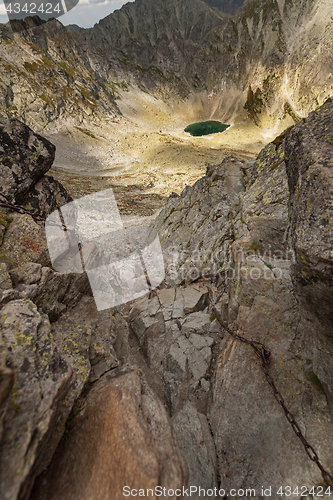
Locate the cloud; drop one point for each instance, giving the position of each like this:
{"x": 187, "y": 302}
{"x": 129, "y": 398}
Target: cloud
{"x": 3, "y": 10}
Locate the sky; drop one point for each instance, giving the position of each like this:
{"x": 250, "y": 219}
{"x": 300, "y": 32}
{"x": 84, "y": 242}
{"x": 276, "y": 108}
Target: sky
{"x": 85, "y": 14}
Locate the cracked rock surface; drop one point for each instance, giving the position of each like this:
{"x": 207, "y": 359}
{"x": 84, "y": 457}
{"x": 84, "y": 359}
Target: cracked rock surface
{"x": 156, "y": 392}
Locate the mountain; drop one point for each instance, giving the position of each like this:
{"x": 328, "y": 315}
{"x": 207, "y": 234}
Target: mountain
{"x": 269, "y": 61}
{"x": 229, "y": 6}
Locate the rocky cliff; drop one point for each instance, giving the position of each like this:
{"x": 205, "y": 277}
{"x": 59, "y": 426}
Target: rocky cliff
{"x": 156, "y": 393}
{"x": 267, "y": 61}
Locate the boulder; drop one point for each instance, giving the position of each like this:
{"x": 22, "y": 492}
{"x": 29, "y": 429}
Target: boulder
{"x": 52, "y": 292}
{"x": 45, "y": 196}
{"x": 24, "y": 158}
{"x": 38, "y": 404}
{"x": 25, "y": 241}
{"x": 120, "y": 436}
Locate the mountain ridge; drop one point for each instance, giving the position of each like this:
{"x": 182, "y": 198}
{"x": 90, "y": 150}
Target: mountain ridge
{"x": 276, "y": 50}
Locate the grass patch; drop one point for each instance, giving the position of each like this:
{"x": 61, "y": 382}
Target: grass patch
{"x": 5, "y": 220}
{"x": 85, "y": 131}
{"x": 69, "y": 71}
{"x": 46, "y": 99}
{"x": 205, "y": 128}
{"x": 47, "y": 62}
{"x": 31, "y": 67}
{"x": 12, "y": 110}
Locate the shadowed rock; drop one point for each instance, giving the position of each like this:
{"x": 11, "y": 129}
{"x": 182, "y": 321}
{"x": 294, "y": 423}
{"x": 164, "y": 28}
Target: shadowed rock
{"x": 24, "y": 158}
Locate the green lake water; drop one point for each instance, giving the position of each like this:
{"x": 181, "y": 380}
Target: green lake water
{"x": 205, "y": 128}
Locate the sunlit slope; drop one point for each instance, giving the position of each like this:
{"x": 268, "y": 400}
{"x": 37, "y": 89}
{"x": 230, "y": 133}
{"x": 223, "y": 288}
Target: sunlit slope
{"x": 269, "y": 63}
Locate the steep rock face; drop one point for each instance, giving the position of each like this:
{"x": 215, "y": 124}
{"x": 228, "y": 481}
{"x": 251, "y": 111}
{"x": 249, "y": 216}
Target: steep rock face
{"x": 270, "y": 56}
{"x": 25, "y": 158}
{"x": 178, "y": 340}
{"x": 265, "y": 296}
{"x": 35, "y": 407}
{"x": 310, "y": 177}
{"x": 309, "y": 162}
{"x": 46, "y": 75}
{"x": 228, "y": 6}
{"x": 234, "y": 201}
{"x": 194, "y": 228}
{"x": 54, "y": 346}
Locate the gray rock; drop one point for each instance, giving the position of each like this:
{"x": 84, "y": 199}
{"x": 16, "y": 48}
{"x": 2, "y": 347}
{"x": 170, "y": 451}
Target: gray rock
{"x": 140, "y": 324}
{"x": 120, "y": 331}
{"x": 309, "y": 167}
{"x": 198, "y": 322}
{"x": 200, "y": 341}
{"x": 176, "y": 362}
{"x": 85, "y": 338}
{"x": 38, "y": 405}
{"x": 2, "y": 233}
{"x": 25, "y": 158}
{"x": 195, "y": 299}
{"x": 9, "y": 295}
{"x": 27, "y": 274}
{"x": 192, "y": 227}
{"x": 7, "y": 380}
{"x": 175, "y": 327}
{"x": 166, "y": 297}
{"x": 244, "y": 415}
{"x": 5, "y": 280}
{"x": 25, "y": 241}
{"x": 196, "y": 359}
{"x": 52, "y": 292}
{"x": 215, "y": 327}
{"x": 178, "y": 306}
{"x": 197, "y": 446}
{"x": 45, "y": 196}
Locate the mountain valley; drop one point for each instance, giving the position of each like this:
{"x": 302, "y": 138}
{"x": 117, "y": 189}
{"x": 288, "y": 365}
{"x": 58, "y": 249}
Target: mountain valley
{"x": 139, "y": 362}
{"x": 153, "y": 68}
